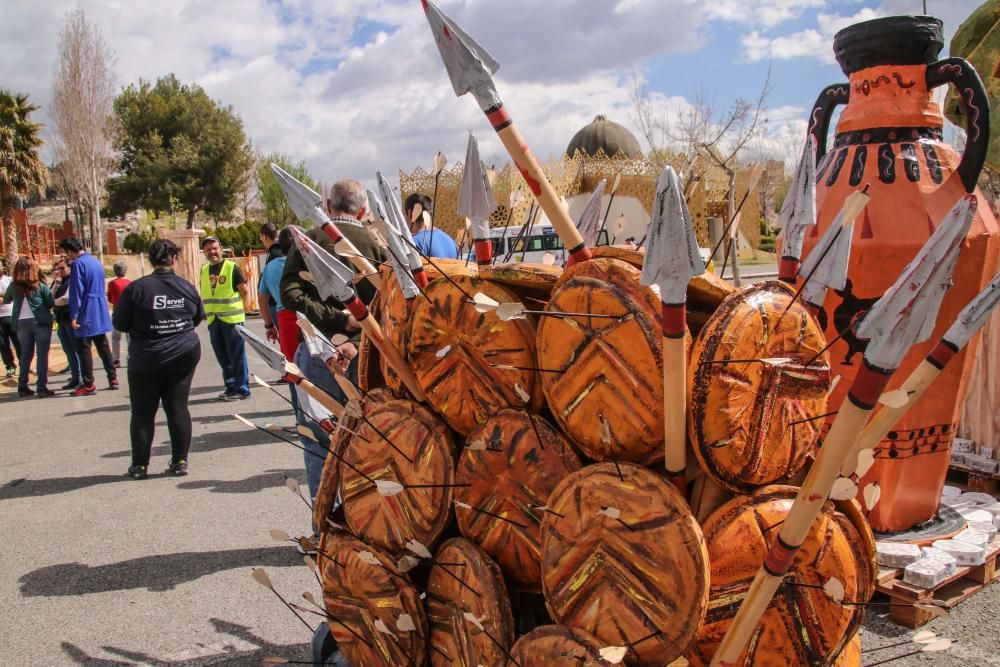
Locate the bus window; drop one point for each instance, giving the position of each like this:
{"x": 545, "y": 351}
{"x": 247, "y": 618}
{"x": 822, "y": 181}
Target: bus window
{"x": 602, "y": 237}
{"x": 517, "y": 245}
{"x": 497, "y": 246}
{"x": 552, "y": 242}
{"x": 534, "y": 244}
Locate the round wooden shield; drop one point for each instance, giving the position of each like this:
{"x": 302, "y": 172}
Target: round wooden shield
{"x": 395, "y": 311}
{"x": 376, "y": 615}
{"x": 557, "y": 646}
{"x": 329, "y": 482}
{"x": 754, "y": 418}
{"x": 605, "y": 385}
{"x": 628, "y": 255}
{"x": 802, "y": 625}
{"x": 468, "y": 607}
{"x": 528, "y": 280}
{"x": 851, "y": 657}
{"x": 455, "y": 352}
{"x": 624, "y": 559}
{"x": 864, "y": 548}
{"x": 400, "y": 442}
{"x": 511, "y": 464}
{"x": 369, "y": 365}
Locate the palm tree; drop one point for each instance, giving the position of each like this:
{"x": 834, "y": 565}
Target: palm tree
{"x": 22, "y": 172}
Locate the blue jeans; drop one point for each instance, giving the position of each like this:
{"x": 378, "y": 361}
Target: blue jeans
{"x": 231, "y": 354}
{"x": 314, "y": 369}
{"x": 65, "y": 335}
{"x": 34, "y": 339}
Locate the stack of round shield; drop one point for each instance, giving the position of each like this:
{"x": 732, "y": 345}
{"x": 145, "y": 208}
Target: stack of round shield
{"x": 524, "y": 508}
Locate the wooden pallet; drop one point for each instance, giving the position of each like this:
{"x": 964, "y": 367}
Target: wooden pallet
{"x": 973, "y": 480}
{"x": 965, "y": 583}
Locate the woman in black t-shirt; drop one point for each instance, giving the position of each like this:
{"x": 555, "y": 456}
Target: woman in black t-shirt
{"x": 160, "y": 312}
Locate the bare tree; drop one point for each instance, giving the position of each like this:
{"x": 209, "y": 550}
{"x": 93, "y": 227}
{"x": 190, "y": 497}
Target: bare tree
{"x": 705, "y": 135}
{"x": 719, "y": 138}
{"x": 83, "y": 94}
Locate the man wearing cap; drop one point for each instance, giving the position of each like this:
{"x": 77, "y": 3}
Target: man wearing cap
{"x": 224, "y": 292}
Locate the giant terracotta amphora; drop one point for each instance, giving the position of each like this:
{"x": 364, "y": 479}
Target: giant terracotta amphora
{"x": 890, "y": 136}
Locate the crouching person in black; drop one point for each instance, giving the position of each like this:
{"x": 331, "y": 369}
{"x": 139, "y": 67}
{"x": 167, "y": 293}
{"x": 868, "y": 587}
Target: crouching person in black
{"x": 160, "y": 312}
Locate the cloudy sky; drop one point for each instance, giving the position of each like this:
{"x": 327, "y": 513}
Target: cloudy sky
{"x": 352, "y": 86}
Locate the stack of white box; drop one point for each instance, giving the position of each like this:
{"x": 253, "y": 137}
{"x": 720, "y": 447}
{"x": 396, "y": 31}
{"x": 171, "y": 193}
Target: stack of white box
{"x": 896, "y": 554}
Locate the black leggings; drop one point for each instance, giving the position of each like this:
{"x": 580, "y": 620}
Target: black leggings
{"x": 100, "y": 341}
{"x": 171, "y": 384}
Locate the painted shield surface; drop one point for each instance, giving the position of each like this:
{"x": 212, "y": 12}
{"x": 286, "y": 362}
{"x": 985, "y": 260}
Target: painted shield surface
{"x": 754, "y": 422}
{"x": 329, "y": 482}
{"x": 395, "y": 311}
{"x": 529, "y": 280}
{"x": 468, "y": 607}
{"x": 557, "y": 646}
{"x": 404, "y": 443}
{"x": 370, "y": 602}
{"x": 606, "y": 385}
{"x": 802, "y": 625}
{"x": 624, "y": 559}
{"x": 511, "y": 464}
{"x": 454, "y": 351}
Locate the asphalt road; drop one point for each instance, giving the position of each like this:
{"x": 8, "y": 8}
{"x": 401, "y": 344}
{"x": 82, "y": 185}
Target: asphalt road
{"x": 97, "y": 569}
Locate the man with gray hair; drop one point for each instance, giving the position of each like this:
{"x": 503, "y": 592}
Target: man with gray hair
{"x": 347, "y": 206}
{"x": 115, "y": 289}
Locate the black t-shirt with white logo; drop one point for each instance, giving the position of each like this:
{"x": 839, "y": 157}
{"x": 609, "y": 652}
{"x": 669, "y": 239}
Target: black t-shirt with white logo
{"x": 159, "y": 312}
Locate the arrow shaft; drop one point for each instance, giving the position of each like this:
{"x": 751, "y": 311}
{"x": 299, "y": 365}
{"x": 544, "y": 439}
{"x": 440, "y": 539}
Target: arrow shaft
{"x": 506, "y": 226}
{"x": 604, "y": 222}
{"x": 538, "y": 183}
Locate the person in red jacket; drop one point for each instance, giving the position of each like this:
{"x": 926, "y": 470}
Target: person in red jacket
{"x": 115, "y": 289}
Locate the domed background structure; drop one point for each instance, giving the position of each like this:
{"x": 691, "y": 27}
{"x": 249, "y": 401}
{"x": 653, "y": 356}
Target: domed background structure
{"x": 607, "y": 136}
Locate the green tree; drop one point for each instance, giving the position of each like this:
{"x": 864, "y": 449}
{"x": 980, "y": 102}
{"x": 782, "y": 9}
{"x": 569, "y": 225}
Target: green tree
{"x": 272, "y": 199}
{"x": 180, "y": 151}
{"x": 22, "y": 172}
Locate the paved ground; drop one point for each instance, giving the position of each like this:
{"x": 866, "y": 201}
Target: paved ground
{"x": 99, "y": 570}
{"x": 96, "y": 569}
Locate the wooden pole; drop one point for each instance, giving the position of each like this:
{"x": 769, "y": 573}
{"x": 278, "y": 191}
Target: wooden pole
{"x": 319, "y": 395}
{"x": 539, "y": 185}
{"x": 675, "y": 408}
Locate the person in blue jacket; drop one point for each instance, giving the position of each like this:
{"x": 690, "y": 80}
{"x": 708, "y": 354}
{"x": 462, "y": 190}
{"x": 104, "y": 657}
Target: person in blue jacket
{"x": 432, "y": 241}
{"x": 89, "y": 316}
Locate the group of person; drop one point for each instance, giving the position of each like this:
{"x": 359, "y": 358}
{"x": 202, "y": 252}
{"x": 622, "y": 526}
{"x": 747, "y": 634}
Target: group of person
{"x": 159, "y": 313}
{"x": 76, "y": 302}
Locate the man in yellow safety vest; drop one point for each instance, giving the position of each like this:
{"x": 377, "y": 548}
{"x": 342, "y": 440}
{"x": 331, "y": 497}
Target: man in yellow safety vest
{"x": 224, "y": 292}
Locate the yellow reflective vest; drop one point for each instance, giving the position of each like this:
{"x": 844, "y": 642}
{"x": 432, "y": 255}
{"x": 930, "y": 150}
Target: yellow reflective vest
{"x": 221, "y": 299}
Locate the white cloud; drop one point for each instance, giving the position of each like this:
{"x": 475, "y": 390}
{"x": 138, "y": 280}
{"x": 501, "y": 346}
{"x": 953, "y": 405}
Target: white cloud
{"x": 817, "y": 42}
{"x": 763, "y": 13}
{"x": 303, "y": 84}
{"x": 807, "y": 42}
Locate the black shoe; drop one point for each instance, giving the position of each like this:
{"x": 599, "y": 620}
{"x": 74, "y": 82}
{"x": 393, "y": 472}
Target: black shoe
{"x": 178, "y": 469}
{"x": 45, "y": 393}
{"x": 137, "y": 472}
{"x": 71, "y": 385}
{"x": 24, "y": 393}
